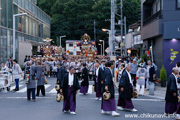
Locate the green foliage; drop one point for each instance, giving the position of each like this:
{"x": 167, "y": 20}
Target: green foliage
{"x": 163, "y": 74}
{"x": 73, "y": 18}
{"x": 145, "y": 58}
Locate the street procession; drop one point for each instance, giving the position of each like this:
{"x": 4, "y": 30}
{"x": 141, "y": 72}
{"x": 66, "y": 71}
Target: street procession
{"x": 89, "y": 59}
{"x": 131, "y": 76}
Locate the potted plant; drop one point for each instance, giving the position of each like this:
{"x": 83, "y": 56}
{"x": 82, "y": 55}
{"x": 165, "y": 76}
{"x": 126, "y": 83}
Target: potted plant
{"x": 163, "y": 76}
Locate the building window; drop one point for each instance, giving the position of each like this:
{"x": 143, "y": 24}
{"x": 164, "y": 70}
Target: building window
{"x": 178, "y": 4}
{"x": 70, "y": 45}
{"x": 71, "y": 53}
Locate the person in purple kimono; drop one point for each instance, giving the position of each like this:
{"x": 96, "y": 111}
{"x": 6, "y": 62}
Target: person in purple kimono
{"x": 98, "y": 81}
{"x": 171, "y": 93}
{"x": 125, "y": 91}
{"x": 85, "y": 80}
{"x": 109, "y": 105}
{"x": 69, "y": 88}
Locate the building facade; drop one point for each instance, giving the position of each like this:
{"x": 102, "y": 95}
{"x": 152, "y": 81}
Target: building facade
{"x": 134, "y": 43}
{"x": 73, "y": 48}
{"x": 160, "y": 30}
{"x": 30, "y": 28}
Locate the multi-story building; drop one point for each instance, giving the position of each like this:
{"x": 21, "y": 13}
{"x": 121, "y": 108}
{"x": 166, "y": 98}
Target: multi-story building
{"x": 30, "y": 28}
{"x": 72, "y": 46}
{"x": 134, "y": 43}
{"x": 161, "y": 30}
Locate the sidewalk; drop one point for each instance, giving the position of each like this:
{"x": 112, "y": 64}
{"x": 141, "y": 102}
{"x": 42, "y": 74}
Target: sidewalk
{"x": 159, "y": 92}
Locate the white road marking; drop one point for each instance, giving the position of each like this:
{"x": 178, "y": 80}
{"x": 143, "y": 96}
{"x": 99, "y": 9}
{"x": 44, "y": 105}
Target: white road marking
{"x": 53, "y": 91}
{"x": 90, "y": 89}
{"x": 22, "y": 90}
{"x": 46, "y": 86}
{"x": 135, "y": 99}
{"x": 26, "y": 97}
{"x": 13, "y": 87}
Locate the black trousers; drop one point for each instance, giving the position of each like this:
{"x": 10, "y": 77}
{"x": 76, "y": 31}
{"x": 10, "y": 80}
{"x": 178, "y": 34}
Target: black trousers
{"x": 133, "y": 76}
{"x": 78, "y": 75}
{"x": 29, "y": 92}
{"x": 91, "y": 77}
{"x": 42, "y": 89}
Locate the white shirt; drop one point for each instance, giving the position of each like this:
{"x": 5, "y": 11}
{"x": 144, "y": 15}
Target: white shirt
{"x": 71, "y": 79}
{"x": 148, "y": 67}
{"x": 129, "y": 76}
{"x": 97, "y": 70}
{"x": 5, "y": 68}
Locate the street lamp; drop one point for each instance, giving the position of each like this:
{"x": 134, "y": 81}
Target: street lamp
{"x": 110, "y": 43}
{"x": 14, "y": 32}
{"x": 61, "y": 37}
{"x": 106, "y": 30}
{"x": 103, "y": 45}
{"x": 101, "y": 48}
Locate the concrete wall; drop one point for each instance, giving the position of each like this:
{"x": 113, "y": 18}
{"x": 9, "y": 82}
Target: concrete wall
{"x": 24, "y": 49}
{"x": 158, "y": 52}
{"x": 129, "y": 38}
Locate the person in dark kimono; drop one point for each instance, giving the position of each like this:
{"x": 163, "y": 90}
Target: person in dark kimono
{"x": 69, "y": 88}
{"x": 109, "y": 105}
{"x": 171, "y": 93}
{"x": 85, "y": 81}
{"x": 39, "y": 69}
{"x": 98, "y": 81}
{"x": 31, "y": 85}
{"x": 125, "y": 91}
{"x": 60, "y": 74}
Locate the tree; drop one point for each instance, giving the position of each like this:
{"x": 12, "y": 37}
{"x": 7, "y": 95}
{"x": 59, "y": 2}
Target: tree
{"x": 73, "y": 18}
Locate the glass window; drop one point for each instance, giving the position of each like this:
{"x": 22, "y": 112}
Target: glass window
{"x": 70, "y": 45}
{"x": 178, "y": 4}
{"x": 23, "y": 23}
{"x": 3, "y": 44}
{"x": 3, "y": 13}
{"x": 20, "y": 23}
{"x": 27, "y": 23}
{"x": 10, "y": 14}
{"x": 23, "y": 3}
{"x": 9, "y": 43}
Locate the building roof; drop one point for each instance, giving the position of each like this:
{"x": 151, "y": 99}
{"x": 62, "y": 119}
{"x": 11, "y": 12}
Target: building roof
{"x": 71, "y": 41}
{"x": 135, "y": 25}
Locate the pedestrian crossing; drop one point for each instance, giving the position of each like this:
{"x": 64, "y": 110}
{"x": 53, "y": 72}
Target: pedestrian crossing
{"x": 49, "y": 88}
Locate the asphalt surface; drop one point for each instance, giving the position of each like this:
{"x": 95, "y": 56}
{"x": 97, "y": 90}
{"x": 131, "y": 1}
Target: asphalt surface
{"x": 14, "y": 106}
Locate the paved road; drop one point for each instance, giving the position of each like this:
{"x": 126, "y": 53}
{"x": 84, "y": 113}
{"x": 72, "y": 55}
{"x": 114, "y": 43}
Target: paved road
{"x": 14, "y": 106}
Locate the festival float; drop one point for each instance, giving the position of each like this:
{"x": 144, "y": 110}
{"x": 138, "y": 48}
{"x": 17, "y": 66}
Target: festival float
{"x": 87, "y": 47}
{"x": 49, "y": 50}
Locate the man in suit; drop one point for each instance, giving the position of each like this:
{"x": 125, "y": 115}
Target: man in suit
{"x": 125, "y": 91}
{"x": 109, "y": 105}
{"x": 85, "y": 81}
{"x": 171, "y": 92}
{"x": 69, "y": 88}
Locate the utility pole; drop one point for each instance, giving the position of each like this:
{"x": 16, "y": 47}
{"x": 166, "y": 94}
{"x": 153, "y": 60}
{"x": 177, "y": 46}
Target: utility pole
{"x": 125, "y": 35}
{"x": 112, "y": 32}
{"x": 121, "y": 7}
{"x": 95, "y": 31}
